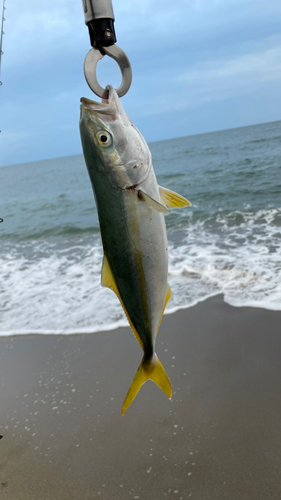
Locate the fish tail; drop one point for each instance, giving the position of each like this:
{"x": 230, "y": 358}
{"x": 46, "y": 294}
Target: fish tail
{"x": 148, "y": 370}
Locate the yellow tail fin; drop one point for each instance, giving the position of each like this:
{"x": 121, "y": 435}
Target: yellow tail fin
{"x": 148, "y": 370}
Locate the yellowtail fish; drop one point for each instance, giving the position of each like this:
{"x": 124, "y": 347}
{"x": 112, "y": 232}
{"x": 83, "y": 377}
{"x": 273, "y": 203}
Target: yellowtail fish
{"x": 131, "y": 207}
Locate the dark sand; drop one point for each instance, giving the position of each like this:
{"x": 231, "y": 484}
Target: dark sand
{"x": 219, "y": 438}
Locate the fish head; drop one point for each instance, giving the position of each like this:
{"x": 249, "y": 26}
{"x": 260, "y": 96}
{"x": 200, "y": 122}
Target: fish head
{"x": 108, "y": 133}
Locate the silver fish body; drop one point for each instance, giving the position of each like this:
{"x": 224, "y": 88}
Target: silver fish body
{"x": 131, "y": 215}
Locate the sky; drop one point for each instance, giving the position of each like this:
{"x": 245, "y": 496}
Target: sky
{"x": 198, "y": 66}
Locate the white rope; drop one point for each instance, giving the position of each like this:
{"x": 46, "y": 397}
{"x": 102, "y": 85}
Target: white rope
{"x": 1, "y": 35}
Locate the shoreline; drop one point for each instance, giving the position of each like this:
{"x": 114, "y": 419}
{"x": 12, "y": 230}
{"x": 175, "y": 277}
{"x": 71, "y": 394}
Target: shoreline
{"x": 116, "y": 327}
{"x": 219, "y": 438}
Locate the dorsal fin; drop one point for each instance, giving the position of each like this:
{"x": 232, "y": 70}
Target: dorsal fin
{"x": 108, "y": 280}
{"x": 172, "y": 199}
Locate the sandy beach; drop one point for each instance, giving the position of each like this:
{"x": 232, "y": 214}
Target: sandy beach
{"x": 219, "y": 438}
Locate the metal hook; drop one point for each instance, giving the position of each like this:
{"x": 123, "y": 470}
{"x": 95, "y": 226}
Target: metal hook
{"x": 90, "y": 65}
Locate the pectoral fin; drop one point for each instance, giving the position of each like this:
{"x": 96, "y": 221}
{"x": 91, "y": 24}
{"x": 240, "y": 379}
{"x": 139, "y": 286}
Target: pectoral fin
{"x": 152, "y": 203}
{"x": 172, "y": 199}
{"x": 108, "y": 280}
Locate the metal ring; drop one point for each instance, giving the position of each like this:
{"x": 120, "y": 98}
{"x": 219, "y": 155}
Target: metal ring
{"x": 90, "y": 65}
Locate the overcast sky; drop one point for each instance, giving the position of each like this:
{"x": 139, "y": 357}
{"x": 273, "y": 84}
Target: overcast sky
{"x": 198, "y": 66}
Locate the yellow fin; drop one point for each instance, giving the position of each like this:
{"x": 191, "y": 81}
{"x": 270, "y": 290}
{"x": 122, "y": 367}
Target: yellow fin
{"x": 108, "y": 280}
{"x": 152, "y": 203}
{"x": 148, "y": 370}
{"x": 172, "y": 199}
{"x": 167, "y": 298}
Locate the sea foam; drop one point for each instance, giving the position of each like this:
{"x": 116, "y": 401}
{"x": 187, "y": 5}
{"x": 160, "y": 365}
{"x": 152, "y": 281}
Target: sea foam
{"x": 228, "y": 242}
{"x": 57, "y": 291}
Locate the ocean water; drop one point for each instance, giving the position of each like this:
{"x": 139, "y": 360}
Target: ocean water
{"x": 228, "y": 242}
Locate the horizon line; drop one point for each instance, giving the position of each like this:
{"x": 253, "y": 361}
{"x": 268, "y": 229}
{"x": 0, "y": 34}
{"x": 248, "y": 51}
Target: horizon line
{"x": 150, "y": 142}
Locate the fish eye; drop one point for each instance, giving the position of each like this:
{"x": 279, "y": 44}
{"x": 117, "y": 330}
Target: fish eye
{"x": 104, "y": 138}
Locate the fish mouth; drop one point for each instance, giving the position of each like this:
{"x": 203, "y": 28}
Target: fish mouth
{"x": 106, "y": 108}
{"x": 110, "y": 109}
{"x": 100, "y": 109}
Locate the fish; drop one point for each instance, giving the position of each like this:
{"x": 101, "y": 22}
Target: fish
{"x": 131, "y": 207}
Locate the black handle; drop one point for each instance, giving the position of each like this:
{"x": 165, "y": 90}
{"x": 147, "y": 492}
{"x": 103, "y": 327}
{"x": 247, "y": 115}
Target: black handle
{"x": 102, "y": 32}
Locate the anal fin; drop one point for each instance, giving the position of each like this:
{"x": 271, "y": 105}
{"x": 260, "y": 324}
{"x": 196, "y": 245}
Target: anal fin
{"x": 167, "y": 298}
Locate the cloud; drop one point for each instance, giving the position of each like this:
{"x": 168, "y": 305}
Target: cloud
{"x": 14, "y": 141}
{"x": 184, "y": 55}
{"x": 39, "y": 29}
{"x": 236, "y": 72}
{"x": 34, "y": 30}
{"x": 214, "y": 80}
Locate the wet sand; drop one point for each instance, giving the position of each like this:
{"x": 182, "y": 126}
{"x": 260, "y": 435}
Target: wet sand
{"x": 219, "y": 438}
